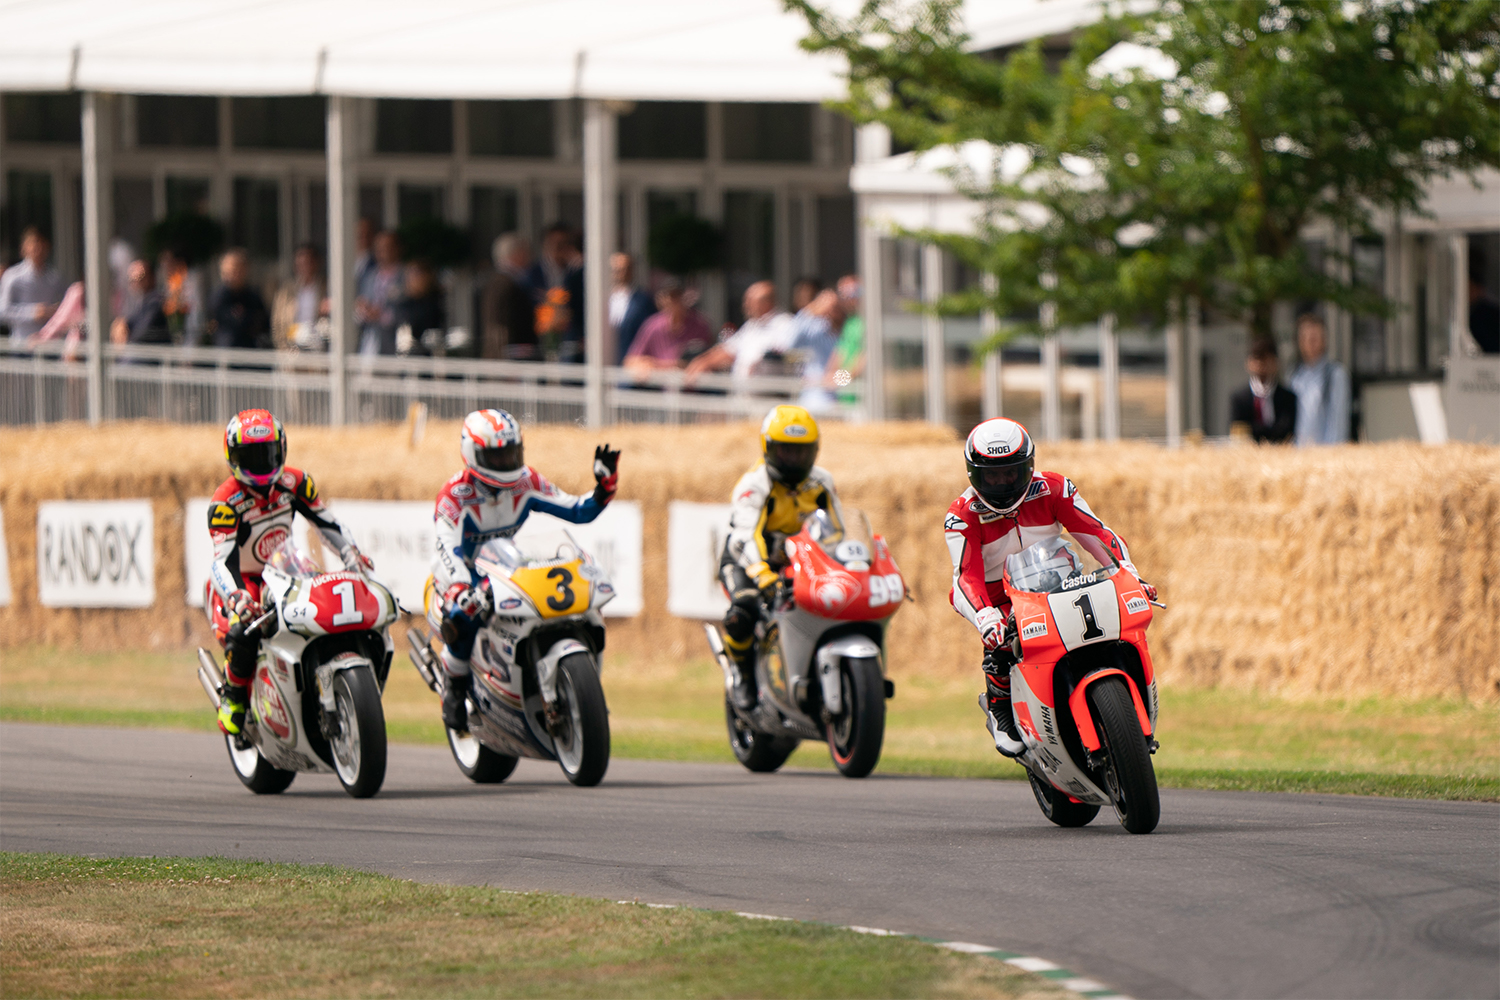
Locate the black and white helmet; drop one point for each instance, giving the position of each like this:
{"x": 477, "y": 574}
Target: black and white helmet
{"x": 1000, "y": 458}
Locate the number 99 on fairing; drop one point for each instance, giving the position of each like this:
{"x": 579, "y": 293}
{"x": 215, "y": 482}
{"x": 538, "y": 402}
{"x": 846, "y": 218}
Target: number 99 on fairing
{"x": 885, "y": 589}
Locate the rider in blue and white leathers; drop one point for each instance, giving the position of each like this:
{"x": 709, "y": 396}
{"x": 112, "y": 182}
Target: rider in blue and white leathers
{"x": 491, "y": 498}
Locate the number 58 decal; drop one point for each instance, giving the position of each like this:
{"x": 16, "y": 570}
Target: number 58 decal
{"x": 885, "y": 589}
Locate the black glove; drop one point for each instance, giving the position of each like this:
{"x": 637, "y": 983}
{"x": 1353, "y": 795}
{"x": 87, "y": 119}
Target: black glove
{"x": 606, "y": 474}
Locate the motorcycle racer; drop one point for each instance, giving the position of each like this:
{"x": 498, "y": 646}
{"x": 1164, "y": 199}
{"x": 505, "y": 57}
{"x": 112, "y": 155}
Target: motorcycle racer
{"x": 1008, "y": 507}
{"x": 250, "y": 516}
{"x": 491, "y": 498}
{"x": 770, "y": 502}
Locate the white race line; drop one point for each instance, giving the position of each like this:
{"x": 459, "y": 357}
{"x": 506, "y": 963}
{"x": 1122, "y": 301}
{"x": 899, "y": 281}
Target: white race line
{"x": 970, "y": 949}
{"x": 761, "y": 916}
{"x": 1033, "y": 964}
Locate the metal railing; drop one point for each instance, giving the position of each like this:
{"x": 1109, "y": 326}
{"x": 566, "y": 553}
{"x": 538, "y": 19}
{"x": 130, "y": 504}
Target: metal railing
{"x": 208, "y": 385}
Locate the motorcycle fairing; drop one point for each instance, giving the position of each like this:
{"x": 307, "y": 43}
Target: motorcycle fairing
{"x": 1086, "y": 615}
{"x": 1046, "y": 752}
{"x": 822, "y": 584}
{"x": 1078, "y": 705}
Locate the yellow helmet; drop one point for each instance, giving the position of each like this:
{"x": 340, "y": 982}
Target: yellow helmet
{"x": 789, "y": 443}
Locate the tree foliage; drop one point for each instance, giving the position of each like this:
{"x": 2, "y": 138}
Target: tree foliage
{"x": 1185, "y": 150}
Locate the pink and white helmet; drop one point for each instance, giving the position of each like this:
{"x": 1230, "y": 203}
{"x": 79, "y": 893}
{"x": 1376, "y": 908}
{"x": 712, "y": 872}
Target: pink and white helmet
{"x": 1000, "y": 458}
{"x": 491, "y": 446}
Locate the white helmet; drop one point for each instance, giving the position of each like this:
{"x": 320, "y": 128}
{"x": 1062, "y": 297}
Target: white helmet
{"x": 1000, "y": 458}
{"x": 491, "y": 446}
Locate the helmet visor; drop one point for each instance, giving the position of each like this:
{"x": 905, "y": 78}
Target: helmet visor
{"x": 791, "y": 460}
{"x": 1001, "y": 486}
{"x": 259, "y": 459}
{"x": 506, "y": 458}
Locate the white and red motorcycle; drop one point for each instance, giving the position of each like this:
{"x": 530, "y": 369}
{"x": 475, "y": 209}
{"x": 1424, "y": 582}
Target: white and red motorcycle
{"x": 315, "y": 701}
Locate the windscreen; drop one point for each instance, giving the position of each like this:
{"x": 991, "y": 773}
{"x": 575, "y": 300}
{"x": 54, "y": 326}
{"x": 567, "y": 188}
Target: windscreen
{"x": 850, "y": 546}
{"x": 1053, "y": 565}
{"x": 292, "y": 561}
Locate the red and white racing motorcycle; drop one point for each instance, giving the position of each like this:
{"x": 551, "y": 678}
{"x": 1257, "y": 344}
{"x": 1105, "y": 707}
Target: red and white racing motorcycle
{"x": 819, "y": 664}
{"x": 1082, "y": 691}
{"x": 315, "y": 702}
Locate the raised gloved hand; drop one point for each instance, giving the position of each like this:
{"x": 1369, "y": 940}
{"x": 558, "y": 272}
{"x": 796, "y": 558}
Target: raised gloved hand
{"x": 991, "y": 623}
{"x": 606, "y": 474}
{"x": 355, "y": 560}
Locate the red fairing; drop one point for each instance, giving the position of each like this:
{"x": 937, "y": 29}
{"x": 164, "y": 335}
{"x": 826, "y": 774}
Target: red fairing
{"x": 343, "y": 602}
{"x": 824, "y": 587}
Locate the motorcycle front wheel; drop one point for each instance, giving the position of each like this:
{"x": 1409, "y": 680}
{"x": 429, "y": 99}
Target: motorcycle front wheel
{"x": 1057, "y": 807}
{"x": 582, "y": 741}
{"x": 856, "y": 734}
{"x": 359, "y": 745}
{"x": 758, "y": 751}
{"x": 255, "y": 772}
{"x": 478, "y": 762}
{"x": 1129, "y": 776}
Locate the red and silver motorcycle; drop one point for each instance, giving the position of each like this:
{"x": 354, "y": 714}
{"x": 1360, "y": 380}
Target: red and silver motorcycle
{"x": 315, "y": 701}
{"x": 819, "y": 661}
{"x": 1083, "y": 691}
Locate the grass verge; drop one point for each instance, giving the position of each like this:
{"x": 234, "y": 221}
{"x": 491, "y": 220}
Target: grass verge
{"x": 1218, "y": 739}
{"x": 179, "y": 927}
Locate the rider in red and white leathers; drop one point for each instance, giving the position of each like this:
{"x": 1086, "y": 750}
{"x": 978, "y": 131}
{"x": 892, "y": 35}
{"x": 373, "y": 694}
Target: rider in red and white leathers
{"x": 1008, "y": 507}
{"x": 491, "y": 498}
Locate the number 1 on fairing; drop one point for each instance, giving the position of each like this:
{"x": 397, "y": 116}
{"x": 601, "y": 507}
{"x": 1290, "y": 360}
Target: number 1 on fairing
{"x": 1091, "y": 629}
{"x": 349, "y": 614}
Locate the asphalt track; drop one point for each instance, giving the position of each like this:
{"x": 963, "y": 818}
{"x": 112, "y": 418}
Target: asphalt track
{"x": 1234, "y": 895}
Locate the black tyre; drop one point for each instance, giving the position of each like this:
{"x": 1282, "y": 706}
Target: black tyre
{"x": 759, "y": 752}
{"x": 478, "y": 762}
{"x": 1129, "y": 776}
{"x": 1057, "y": 807}
{"x": 582, "y": 741}
{"x": 358, "y": 747}
{"x": 255, "y": 772}
{"x": 856, "y": 734}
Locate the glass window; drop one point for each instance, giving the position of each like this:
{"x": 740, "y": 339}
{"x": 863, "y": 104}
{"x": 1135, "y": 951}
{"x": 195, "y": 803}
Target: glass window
{"x": 43, "y": 117}
{"x": 187, "y": 194}
{"x": 133, "y": 210}
{"x": 30, "y": 204}
{"x": 177, "y": 121}
{"x": 493, "y": 211}
{"x": 408, "y": 126}
{"x": 749, "y": 244}
{"x": 1369, "y": 331}
{"x": 256, "y": 224}
{"x": 279, "y": 122}
{"x": 511, "y": 128}
{"x": 664, "y": 130}
{"x": 372, "y": 204}
{"x": 768, "y": 133}
{"x": 418, "y": 201}
{"x": 836, "y": 235}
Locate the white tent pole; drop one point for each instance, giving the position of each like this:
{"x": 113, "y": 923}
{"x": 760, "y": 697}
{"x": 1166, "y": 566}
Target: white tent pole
{"x": 341, "y": 290}
{"x": 934, "y": 357}
{"x": 1174, "y": 377}
{"x": 598, "y": 241}
{"x": 1193, "y": 373}
{"x": 97, "y": 214}
{"x": 1109, "y": 374}
{"x": 992, "y": 391}
{"x": 872, "y": 284}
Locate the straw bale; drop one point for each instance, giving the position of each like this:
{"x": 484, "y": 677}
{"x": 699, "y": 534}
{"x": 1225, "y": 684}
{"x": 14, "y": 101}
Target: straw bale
{"x": 1345, "y": 571}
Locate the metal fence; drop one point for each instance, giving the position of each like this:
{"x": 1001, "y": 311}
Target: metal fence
{"x": 209, "y": 385}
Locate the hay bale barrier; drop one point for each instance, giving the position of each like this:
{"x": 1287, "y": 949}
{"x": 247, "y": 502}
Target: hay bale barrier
{"x": 1348, "y": 571}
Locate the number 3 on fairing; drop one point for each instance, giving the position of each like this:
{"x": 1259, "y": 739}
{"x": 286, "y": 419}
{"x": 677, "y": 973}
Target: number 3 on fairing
{"x": 1091, "y": 629}
{"x": 565, "y": 596}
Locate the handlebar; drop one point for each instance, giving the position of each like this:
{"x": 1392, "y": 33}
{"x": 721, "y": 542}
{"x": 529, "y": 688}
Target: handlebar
{"x": 262, "y": 621}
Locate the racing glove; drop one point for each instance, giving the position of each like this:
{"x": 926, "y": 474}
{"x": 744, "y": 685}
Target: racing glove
{"x": 355, "y": 560}
{"x": 991, "y": 623}
{"x": 1150, "y": 590}
{"x": 606, "y": 474}
{"x": 240, "y": 604}
{"x": 466, "y": 600}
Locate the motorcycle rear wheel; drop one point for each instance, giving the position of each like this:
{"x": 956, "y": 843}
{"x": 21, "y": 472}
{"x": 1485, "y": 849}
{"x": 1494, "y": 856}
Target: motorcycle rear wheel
{"x": 358, "y": 747}
{"x": 1129, "y": 776}
{"x": 856, "y": 734}
{"x": 1057, "y": 807}
{"x": 255, "y": 772}
{"x": 583, "y": 747}
{"x": 759, "y": 752}
{"x": 478, "y": 762}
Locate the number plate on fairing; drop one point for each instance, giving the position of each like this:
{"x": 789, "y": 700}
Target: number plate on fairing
{"x": 1087, "y": 615}
{"x": 563, "y": 589}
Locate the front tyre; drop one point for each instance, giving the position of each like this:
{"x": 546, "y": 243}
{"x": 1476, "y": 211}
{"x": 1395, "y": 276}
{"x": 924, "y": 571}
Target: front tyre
{"x": 582, "y": 738}
{"x": 478, "y": 762}
{"x": 255, "y": 772}
{"x": 856, "y": 734}
{"x": 359, "y": 745}
{"x": 1057, "y": 807}
{"x": 1130, "y": 779}
{"x": 759, "y": 752}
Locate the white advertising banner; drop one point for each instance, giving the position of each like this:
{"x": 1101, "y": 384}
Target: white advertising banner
{"x": 397, "y": 536}
{"x": 695, "y": 540}
{"x": 95, "y": 554}
{"x": 4, "y": 565}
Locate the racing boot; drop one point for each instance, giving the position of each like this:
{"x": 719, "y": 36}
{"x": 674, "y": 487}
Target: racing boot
{"x": 998, "y": 716}
{"x": 455, "y": 702}
{"x": 234, "y": 700}
{"x": 744, "y": 693}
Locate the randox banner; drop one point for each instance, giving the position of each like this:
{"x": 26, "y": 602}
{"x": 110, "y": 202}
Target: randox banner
{"x": 695, "y": 539}
{"x": 95, "y": 554}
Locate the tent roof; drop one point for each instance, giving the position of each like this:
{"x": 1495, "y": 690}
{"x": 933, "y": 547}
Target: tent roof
{"x": 729, "y": 50}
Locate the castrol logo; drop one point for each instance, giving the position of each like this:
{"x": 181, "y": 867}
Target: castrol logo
{"x": 270, "y": 542}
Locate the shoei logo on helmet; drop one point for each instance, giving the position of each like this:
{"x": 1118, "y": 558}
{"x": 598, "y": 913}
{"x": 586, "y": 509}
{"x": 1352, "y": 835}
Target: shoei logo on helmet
{"x": 998, "y": 448}
{"x": 795, "y": 431}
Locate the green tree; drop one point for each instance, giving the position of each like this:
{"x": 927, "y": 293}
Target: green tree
{"x": 1183, "y": 151}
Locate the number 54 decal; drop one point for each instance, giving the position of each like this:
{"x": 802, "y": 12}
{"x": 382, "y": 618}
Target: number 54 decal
{"x": 885, "y": 589}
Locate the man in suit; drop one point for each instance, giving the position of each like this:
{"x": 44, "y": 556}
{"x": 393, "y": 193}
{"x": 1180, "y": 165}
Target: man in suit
{"x": 508, "y": 307}
{"x": 1264, "y": 405}
{"x": 629, "y": 306}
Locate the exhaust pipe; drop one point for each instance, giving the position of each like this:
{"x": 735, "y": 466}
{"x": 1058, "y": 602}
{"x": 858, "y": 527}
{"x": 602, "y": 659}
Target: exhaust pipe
{"x": 721, "y": 655}
{"x": 421, "y": 657}
{"x": 209, "y": 676}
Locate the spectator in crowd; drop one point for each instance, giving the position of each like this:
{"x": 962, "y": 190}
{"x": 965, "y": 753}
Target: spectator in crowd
{"x": 804, "y": 290}
{"x": 299, "y": 305}
{"x": 1484, "y": 311}
{"x": 237, "y": 312}
{"x": 364, "y": 256}
{"x": 509, "y": 310}
{"x": 30, "y": 291}
{"x": 1264, "y": 407}
{"x": 814, "y": 339}
{"x": 421, "y": 318}
{"x": 1322, "y": 387}
{"x": 183, "y": 300}
{"x": 146, "y": 322}
{"x": 764, "y": 332}
{"x": 556, "y": 279}
{"x": 848, "y": 364}
{"x": 629, "y": 306}
{"x": 670, "y": 338}
{"x": 375, "y": 308}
